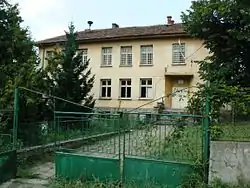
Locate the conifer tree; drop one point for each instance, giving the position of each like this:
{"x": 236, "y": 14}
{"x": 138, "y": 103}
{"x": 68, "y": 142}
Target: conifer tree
{"x": 70, "y": 76}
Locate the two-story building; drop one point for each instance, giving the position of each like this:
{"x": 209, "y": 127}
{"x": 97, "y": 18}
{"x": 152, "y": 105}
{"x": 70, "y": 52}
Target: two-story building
{"x": 136, "y": 65}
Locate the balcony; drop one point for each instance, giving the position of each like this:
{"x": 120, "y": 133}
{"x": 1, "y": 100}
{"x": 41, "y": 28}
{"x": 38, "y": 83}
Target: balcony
{"x": 180, "y": 69}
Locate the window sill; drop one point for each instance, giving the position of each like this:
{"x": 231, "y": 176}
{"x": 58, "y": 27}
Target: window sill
{"x": 125, "y": 65}
{"x": 145, "y": 99}
{"x": 105, "y": 98}
{"x": 146, "y": 65}
{"x": 105, "y": 66}
{"x": 179, "y": 64}
{"x": 129, "y": 99}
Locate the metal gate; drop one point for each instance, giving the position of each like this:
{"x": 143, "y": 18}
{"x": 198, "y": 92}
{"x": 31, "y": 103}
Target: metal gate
{"x": 162, "y": 148}
{"x": 144, "y": 148}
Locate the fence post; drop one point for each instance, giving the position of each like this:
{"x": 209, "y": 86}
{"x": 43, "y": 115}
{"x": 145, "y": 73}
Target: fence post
{"x": 15, "y": 119}
{"x": 206, "y": 135}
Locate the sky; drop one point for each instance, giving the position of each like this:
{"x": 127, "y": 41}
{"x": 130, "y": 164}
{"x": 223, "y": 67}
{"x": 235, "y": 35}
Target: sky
{"x": 50, "y": 18}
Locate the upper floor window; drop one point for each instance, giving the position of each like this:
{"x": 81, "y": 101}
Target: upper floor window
{"x": 84, "y": 54}
{"x": 178, "y": 56}
{"x": 126, "y": 56}
{"x": 106, "y": 88}
{"x": 106, "y": 56}
{"x": 146, "y": 88}
{"x": 147, "y": 55}
{"x": 50, "y": 54}
{"x": 125, "y": 89}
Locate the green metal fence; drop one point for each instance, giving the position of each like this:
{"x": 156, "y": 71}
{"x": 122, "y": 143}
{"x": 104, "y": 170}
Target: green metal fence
{"x": 175, "y": 142}
{"x": 7, "y": 151}
{"x": 169, "y": 137}
{"x": 167, "y": 143}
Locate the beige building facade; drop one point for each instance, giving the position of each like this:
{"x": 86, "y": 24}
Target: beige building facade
{"x": 138, "y": 66}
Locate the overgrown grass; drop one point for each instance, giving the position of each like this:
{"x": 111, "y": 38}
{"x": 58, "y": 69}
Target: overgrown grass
{"x": 182, "y": 144}
{"x": 230, "y": 132}
{"x": 60, "y": 183}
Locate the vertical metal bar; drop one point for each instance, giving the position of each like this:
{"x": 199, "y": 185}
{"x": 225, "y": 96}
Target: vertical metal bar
{"x": 206, "y": 137}
{"x": 15, "y": 121}
{"x": 54, "y": 125}
{"x": 123, "y": 150}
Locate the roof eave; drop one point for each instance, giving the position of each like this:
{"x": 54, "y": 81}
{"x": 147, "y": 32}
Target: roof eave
{"x": 109, "y": 39}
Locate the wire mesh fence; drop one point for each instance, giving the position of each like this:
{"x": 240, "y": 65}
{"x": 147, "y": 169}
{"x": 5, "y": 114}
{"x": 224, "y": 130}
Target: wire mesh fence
{"x": 172, "y": 137}
{"x": 97, "y": 132}
{"x": 6, "y": 131}
{"x": 233, "y": 123}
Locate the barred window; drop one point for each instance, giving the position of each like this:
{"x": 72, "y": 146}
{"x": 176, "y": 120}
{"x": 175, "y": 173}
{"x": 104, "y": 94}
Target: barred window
{"x": 107, "y": 56}
{"x": 178, "y": 56}
{"x": 147, "y": 55}
{"x": 126, "y": 56}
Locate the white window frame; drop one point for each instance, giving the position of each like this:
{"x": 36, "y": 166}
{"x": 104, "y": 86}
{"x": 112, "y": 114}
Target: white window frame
{"x": 126, "y": 86}
{"x": 107, "y": 85}
{"x": 84, "y": 52}
{"x": 85, "y": 55}
{"x": 126, "y": 57}
{"x": 147, "y": 86}
{"x": 148, "y": 52}
{"x": 106, "y": 56}
{"x": 178, "y": 53}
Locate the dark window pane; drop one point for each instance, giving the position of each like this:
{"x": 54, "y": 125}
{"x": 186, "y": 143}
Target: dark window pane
{"x": 123, "y": 82}
{"x": 128, "y": 92}
{"x": 109, "y": 82}
{"x": 143, "y": 92}
{"x": 109, "y": 92}
{"x": 149, "y": 82}
{"x": 104, "y": 92}
{"x": 143, "y": 82}
{"x": 129, "y": 82}
{"x": 103, "y": 83}
{"x": 123, "y": 92}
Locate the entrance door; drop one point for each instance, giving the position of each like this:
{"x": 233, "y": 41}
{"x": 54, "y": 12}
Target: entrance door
{"x": 179, "y": 97}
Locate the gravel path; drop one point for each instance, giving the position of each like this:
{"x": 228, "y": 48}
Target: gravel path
{"x": 136, "y": 143}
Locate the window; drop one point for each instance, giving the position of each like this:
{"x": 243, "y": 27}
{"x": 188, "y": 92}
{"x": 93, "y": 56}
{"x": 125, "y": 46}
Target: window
{"x": 106, "y": 56}
{"x": 147, "y": 55}
{"x": 50, "y": 54}
{"x": 84, "y": 54}
{"x": 146, "y": 88}
{"x": 125, "y": 88}
{"x": 106, "y": 88}
{"x": 126, "y": 56}
{"x": 178, "y": 53}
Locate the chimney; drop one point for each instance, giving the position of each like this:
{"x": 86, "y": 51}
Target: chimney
{"x": 172, "y": 22}
{"x": 114, "y": 25}
{"x": 169, "y": 20}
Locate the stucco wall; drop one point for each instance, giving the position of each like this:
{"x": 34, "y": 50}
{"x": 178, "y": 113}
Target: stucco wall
{"x": 162, "y": 58}
{"x": 230, "y": 161}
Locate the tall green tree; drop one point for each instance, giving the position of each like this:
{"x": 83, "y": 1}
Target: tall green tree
{"x": 224, "y": 27}
{"x": 16, "y": 46}
{"x": 18, "y": 67}
{"x": 70, "y": 76}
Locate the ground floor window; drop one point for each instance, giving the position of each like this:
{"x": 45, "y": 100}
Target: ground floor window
{"x": 125, "y": 88}
{"x": 146, "y": 89}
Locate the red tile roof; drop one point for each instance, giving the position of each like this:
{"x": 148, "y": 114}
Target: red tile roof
{"x": 122, "y": 34}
